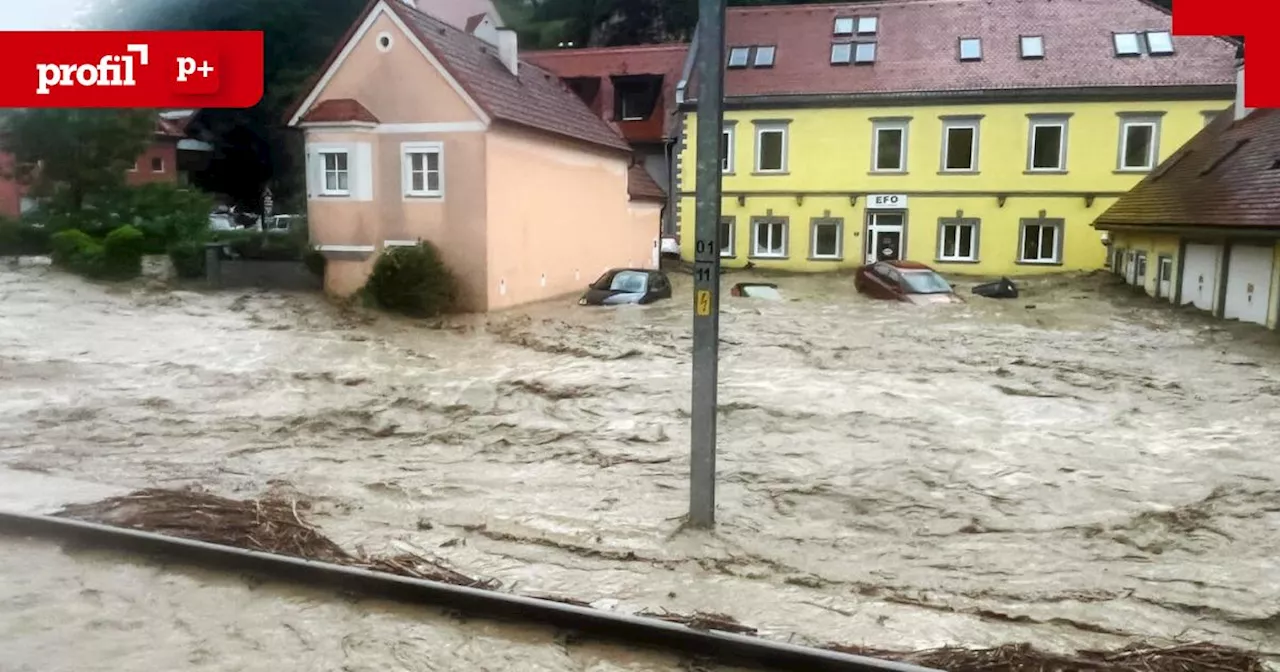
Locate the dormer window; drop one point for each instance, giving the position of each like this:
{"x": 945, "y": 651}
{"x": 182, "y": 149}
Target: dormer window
{"x": 636, "y": 96}
{"x": 867, "y": 25}
{"x": 970, "y": 49}
{"x": 739, "y": 57}
{"x": 864, "y": 53}
{"x": 1032, "y": 46}
{"x": 764, "y": 57}
{"x": 1159, "y": 42}
{"x": 844, "y": 25}
{"x": 1127, "y": 44}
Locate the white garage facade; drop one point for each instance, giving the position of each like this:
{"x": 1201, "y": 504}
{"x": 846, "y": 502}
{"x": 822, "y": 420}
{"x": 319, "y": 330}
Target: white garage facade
{"x": 1247, "y": 296}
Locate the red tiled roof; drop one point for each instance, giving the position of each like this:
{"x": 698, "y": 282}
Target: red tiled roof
{"x": 1187, "y": 189}
{"x": 534, "y": 98}
{"x": 641, "y": 186}
{"x": 336, "y": 110}
{"x": 918, "y": 43}
{"x": 658, "y": 59}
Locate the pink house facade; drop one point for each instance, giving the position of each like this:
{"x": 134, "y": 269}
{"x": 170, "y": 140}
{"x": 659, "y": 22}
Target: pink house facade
{"x": 419, "y": 130}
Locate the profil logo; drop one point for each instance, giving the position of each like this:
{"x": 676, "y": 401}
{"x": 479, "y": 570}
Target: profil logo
{"x": 132, "y": 69}
{"x": 1253, "y": 19}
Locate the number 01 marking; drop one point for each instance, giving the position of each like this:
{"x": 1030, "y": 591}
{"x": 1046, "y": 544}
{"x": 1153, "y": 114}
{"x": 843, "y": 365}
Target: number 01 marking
{"x": 703, "y": 304}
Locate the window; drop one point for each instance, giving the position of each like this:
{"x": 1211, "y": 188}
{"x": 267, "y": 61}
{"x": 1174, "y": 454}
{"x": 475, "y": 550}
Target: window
{"x": 844, "y": 26}
{"x": 1139, "y": 142}
{"x": 726, "y": 236}
{"x": 424, "y": 167}
{"x": 1159, "y": 42}
{"x": 134, "y": 167}
{"x": 635, "y": 96}
{"x": 738, "y": 57}
{"x": 1041, "y": 241}
{"x": 841, "y": 53}
{"x": 970, "y": 49}
{"x": 337, "y": 177}
{"x": 1047, "y": 145}
{"x": 157, "y": 165}
{"x": 771, "y": 147}
{"x": 826, "y": 238}
{"x": 1127, "y": 44}
{"x": 958, "y": 239}
{"x": 1032, "y": 46}
{"x": 960, "y": 145}
{"x": 764, "y": 57}
{"x": 726, "y": 149}
{"x": 864, "y": 52}
{"x": 889, "y": 150}
{"x": 867, "y": 25}
{"x": 770, "y": 237}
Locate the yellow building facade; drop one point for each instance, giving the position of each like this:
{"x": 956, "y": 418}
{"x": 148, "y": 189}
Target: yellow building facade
{"x": 831, "y": 204}
{"x": 873, "y": 148}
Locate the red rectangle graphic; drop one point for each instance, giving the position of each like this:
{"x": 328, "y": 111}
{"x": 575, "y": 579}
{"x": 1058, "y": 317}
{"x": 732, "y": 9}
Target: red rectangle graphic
{"x": 150, "y": 69}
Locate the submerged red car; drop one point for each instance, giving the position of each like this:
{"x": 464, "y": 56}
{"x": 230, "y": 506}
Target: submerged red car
{"x": 904, "y": 281}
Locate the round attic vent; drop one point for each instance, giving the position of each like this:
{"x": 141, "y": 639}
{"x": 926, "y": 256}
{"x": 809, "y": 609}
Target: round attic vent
{"x": 384, "y": 41}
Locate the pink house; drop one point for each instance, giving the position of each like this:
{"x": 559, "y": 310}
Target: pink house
{"x": 419, "y": 130}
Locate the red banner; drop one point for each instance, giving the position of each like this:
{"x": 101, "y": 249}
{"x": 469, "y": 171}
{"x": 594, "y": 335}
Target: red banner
{"x": 1255, "y": 20}
{"x": 146, "y": 69}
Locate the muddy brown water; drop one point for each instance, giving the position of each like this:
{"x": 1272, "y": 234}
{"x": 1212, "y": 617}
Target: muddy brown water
{"x": 1077, "y": 468}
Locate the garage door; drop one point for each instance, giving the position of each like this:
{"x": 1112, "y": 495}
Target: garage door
{"x": 1200, "y": 275}
{"x": 1248, "y": 283}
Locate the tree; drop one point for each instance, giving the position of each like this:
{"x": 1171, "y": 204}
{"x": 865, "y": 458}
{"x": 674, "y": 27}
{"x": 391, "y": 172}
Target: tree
{"x": 73, "y": 154}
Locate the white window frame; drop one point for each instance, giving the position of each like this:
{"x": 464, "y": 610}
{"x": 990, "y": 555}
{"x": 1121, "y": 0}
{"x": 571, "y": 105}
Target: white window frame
{"x": 758, "y": 62}
{"x": 1059, "y": 227}
{"x": 770, "y": 222}
{"x": 729, "y": 136}
{"x": 1151, "y": 46}
{"x": 846, "y": 48}
{"x": 727, "y": 247}
{"x": 322, "y": 155}
{"x": 955, "y": 124}
{"x": 844, "y": 25}
{"x": 816, "y": 222}
{"x": 772, "y": 127}
{"x": 975, "y": 226}
{"x": 876, "y": 128}
{"x": 858, "y": 55}
{"x": 1062, "y": 145}
{"x": 410, "y": 149}
{"x": 1137, "y": 44}
{"x": 746, "y": 57}
{"x": 1025, "y": 40}
{"x": 134, "y": 167}
{"x": 970, "y": 40}
{"x": 1153, "y": 151}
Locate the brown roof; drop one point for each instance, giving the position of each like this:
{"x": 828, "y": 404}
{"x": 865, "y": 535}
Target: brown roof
{"x": 1227, "y": 175}
{"x": 339, "y": 110}
{"x": 603, "y": 62}
{"x": 535, "y": 98}
{"x": 918, "y": 44}
{"x": 641, "y": 186}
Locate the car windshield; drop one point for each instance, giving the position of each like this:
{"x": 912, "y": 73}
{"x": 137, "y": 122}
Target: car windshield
{"x": 925, "y": 282}
{"x": 631, "y": 282}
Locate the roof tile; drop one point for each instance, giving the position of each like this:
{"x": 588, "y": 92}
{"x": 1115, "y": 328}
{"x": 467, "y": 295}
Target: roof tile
{"x": 641, "y": 186}
{"x": 1188, "y": 189}
{"x": 336, "y": 110}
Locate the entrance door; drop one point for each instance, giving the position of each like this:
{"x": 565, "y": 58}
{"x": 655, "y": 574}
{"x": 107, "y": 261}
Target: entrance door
{"x": 1248, "y": 283}
{"x": 1164, "y": 277}
{"x": 1200, "y": 275}
{"x": 884, "y": 236}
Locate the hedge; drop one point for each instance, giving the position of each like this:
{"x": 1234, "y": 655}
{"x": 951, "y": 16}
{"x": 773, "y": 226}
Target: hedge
{"x": 117, "y": 257}
{"x": 413, "y": 281}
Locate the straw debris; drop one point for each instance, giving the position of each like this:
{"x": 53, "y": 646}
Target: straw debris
{"x": 1196, "y": 657}
{"x": 270, "y": 524}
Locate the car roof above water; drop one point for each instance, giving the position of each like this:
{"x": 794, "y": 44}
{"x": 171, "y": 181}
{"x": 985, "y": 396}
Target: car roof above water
{"x": 903, "y": 265}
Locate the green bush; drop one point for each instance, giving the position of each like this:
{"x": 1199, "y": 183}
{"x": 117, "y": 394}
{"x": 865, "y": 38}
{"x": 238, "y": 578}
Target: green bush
{"x": 413, "y": 281}
{"x": 118, "y": 257}
{"x": 21, "y": 239}
{"x": 122, "y": 253}
{"x": 315, "y": 261}
{"x": 77, "y": 251}
{"x": 187, "y": 257}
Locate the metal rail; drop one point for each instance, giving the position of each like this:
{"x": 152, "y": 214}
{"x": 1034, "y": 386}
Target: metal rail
{"x": 742, "y": 650}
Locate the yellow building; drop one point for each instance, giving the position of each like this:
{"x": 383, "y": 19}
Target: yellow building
{"x": 978, "y": 136}
{"x": 1203, "y": 229}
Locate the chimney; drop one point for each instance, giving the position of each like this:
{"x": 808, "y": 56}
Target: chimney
{"x": 509, "y": 50}
{"x": 1240, "y": 110}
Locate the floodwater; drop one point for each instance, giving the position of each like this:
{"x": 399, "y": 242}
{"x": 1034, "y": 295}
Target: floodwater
{"x": 1077, "y": 468}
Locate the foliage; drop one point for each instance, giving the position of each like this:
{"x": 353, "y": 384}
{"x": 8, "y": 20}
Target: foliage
{"x": 20, "y": 239}
{"x": 122, "y": 252}
{"x": 315, "y": 261}
{"x": 75, "y": 250}
{"x": 187, "y": 257}
{"x": 117, "y": 257}
{"x": 413, "y": 281}
{"x": 71, "y": 154}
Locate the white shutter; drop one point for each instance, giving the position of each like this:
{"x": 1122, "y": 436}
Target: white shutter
{"x": 362, "y": 188}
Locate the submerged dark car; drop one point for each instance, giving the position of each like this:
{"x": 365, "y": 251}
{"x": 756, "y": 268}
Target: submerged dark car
{"x": 908, "y": 281}
{"x": 627, "y": 285}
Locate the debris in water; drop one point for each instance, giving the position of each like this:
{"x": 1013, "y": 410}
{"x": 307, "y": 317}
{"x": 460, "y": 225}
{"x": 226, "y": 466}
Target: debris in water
{"x": 1196, "y": 657}
{"x": 270, "y": 524}
{"x": 703, "y": 620}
